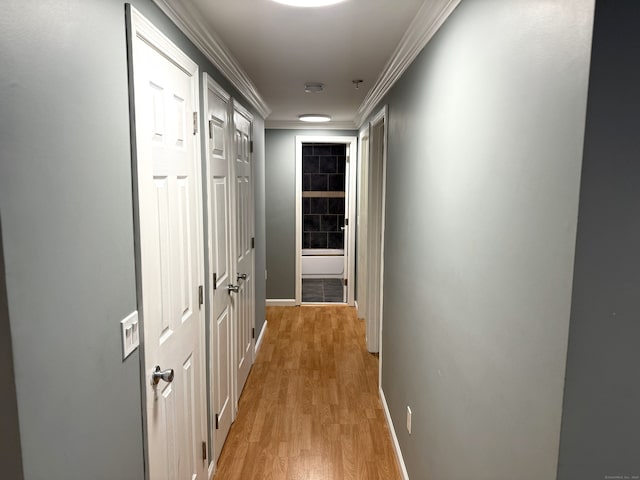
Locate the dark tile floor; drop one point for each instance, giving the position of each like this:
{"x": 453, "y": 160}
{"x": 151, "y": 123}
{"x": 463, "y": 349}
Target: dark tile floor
{"x": 322, "y": 290}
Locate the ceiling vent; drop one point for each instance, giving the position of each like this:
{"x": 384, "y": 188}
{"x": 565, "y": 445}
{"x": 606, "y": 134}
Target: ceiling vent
{"x": 313, "y": 87}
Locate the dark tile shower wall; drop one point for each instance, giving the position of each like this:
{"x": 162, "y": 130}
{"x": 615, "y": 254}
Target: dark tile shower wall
{"x": 323, "y": 170}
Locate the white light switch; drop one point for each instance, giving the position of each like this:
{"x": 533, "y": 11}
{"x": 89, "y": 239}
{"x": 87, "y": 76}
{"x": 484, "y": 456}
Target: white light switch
{"x": 130, "y": 334}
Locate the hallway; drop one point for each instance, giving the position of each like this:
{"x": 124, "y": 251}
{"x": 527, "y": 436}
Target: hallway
{"x": 310, "y": 409}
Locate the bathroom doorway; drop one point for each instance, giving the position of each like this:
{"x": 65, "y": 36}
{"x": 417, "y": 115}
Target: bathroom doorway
{"x": 325, "y": 237}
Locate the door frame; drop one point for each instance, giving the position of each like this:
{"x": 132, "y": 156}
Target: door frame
{"x": 375, "y": 230}
{"x": 361, "y": 223}
{"x": 350, "y": 197}
{"x": 138, "y": 26}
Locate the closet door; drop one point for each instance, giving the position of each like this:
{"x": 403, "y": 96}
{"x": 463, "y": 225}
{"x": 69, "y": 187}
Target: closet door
{"x": 244, "y": 299}
{"x": 219, "y": 157}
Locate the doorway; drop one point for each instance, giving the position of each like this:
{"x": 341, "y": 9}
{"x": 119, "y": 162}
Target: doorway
{"x": 371, "y": 221}
{"x": 325, "y": 184}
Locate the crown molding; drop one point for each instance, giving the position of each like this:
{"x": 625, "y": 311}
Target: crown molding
{"x": 298, "y": 125}
{"x": 428, "y": 20}
{"x": 188, "y": 21}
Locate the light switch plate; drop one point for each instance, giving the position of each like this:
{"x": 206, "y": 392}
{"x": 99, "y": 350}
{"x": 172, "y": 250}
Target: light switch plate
{"x": 130, "y": 334}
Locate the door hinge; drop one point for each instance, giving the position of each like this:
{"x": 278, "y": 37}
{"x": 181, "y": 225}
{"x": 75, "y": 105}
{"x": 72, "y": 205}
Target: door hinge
{"x": 345, "y": 282}
{"x": 251, "y": 146}
{"x": 215, "y": 281}
{"x": 253, "y": 242}
{"x": 200, "y": 295}
{"x": 253, "y": 332}
{"x": 217, "y": 420}
{"x": 204, "y": 450}
{"x": 346, "y": 222}
{"x": 195, "y": 122}
{"x": 211, "y": 129}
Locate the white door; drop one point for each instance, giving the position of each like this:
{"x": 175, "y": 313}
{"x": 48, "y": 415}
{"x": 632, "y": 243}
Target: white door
{"x": 218, "y": 141}
{"x": 243, "y": 299}
{"x": 167, "y": 180}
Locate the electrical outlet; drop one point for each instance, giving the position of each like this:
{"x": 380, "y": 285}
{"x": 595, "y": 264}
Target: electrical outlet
{"x": 130, "y": 334}
{"x": 409, "y": 419}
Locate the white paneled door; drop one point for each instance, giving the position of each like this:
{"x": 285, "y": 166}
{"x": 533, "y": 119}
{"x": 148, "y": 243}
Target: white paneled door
{"x": 243, "y": 300}
{"x": 218, "y": 141}
{"x": 168, "y": 223}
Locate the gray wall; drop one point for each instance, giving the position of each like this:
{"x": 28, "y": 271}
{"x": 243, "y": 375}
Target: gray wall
{"x": 280, "y": 181}
{"x": 10, "y": 452}
{"x": 65, "y": 198}
{"x": 601, "y": 417}
{"x": 485, "y": 145}
{"x": 66, "y": 208}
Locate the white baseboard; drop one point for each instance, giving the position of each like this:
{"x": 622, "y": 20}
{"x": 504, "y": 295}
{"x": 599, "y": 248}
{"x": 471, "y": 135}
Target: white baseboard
{"x": 396, "y": 445}
{"x": 212, "y": 470}
{"x": 281, "y": 302}
{"x": 261, "y": 336}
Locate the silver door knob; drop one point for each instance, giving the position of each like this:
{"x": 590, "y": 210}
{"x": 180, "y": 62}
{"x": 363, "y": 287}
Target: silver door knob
{"x": 241, "y": 276}
{"x": 233, "y": 288}
{"x": 166, "y": 375}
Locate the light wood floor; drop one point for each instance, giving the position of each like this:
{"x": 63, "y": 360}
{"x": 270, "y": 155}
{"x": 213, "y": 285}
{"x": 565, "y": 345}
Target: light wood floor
{"x": 310, "y": 409}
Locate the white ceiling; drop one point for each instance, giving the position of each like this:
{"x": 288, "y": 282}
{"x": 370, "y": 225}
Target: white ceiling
{"x": 280, "y": 48}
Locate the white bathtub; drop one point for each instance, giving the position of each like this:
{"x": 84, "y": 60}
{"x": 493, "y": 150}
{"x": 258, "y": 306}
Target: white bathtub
{"x": 322, "y": 263}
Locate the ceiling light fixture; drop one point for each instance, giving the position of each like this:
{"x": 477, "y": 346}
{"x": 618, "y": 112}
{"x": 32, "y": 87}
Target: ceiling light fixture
{"x": 308, "y": 3}
{"x": 313, "y": 87}
{"x": 314, "y": 118}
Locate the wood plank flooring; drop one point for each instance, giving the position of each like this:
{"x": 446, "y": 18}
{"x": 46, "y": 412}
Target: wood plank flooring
{"x": 310, "y": 409}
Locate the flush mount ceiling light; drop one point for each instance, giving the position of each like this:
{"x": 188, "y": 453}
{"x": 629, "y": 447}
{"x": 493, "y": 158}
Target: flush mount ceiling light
{"x": 314, "y": 118}
{"x": 313, "y": 87}
{"x": 308, "y": 3}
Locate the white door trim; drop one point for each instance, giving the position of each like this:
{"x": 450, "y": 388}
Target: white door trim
{"x": 376, "y": 236}
{"x": 361, "y": 224}
{"x": 352, "y": 149}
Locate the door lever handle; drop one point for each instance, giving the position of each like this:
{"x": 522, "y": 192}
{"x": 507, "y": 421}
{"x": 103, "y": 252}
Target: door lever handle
{"x": 241, "y": 276}
{"x": 233, "y": 288}
{"x": 166, "y": 375}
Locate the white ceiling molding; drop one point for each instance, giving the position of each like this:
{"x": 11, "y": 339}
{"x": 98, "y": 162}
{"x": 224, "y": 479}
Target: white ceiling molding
{"x": 188, "y": 21}
{"x": 297, "y": 125}
{"x": 428, "y": 20}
